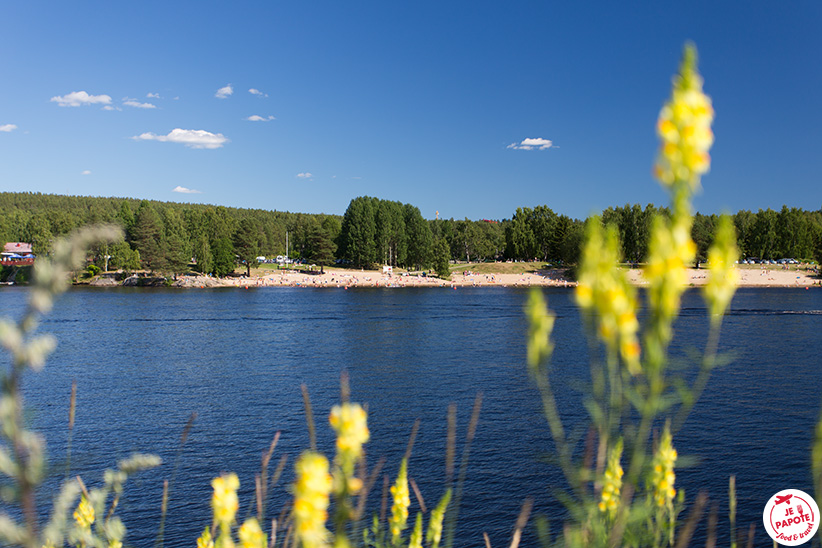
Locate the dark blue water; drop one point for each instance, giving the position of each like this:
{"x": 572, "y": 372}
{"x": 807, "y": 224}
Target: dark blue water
{"x": 144, "y": 360}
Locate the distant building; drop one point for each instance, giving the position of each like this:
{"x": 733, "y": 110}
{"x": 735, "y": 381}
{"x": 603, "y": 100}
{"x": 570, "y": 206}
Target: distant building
{"x": 17, "y": 254}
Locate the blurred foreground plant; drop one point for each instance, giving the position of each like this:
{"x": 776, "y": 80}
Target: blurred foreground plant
{"x": 632, "y": 388}
{"x": 330, "y": 496}
{"x": 22, "y": 452}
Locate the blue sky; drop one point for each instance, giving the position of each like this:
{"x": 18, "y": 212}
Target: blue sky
{"x": 409, "y": 101}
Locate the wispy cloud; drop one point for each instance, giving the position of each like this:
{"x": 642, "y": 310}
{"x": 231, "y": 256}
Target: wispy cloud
{"x": 224, "y": 92}
{"x": 258, "y": 93}
{"x": 8, "y": 128}
{"x": 184, "y": 190}
{"x": 86, "y": 172}
{"x": 537, "y": 143}
{"x": 192, "y": 138}
{"x": 305, "y": 175}
{"x": 79, "y": 98}
{"x": 137, "y": 104}
{"x": 153, "y": 95}
{"x": 256, "y": 118}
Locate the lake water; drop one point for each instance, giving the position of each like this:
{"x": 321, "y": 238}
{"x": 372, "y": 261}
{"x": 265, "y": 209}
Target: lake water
{"x": 144, "y": 360}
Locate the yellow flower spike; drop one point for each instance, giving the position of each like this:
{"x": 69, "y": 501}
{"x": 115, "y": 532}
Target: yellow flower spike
{"x": 399, "y": 508}
{"x": 416, "y": 535}
{"x": 612, "y": 481}
{"x": 540, "y": 325}
{"x": 350, "y": 422}
{"x": 684, "y": 127}
{"x": 662, "y": 478}
{"x": 224, "y": 501}
{"x": 434, "y": 533}
{"x": 84, "y": 514}
{"x": 251, "y": 535}
{"x": 669, "y": 251}
{"x": 722, "y": 257}
{"x": 311, "y": 493}
{"x": 604, "y": 289}
{"x": 205, "y": 540}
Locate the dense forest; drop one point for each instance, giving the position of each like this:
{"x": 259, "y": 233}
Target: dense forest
{"x": 170, "y": 237}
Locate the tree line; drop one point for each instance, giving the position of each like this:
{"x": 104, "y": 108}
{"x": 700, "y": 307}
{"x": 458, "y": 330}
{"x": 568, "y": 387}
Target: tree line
{"x": 167, "y": 236}
{"x": 176, "y": 237}
{"x": 766, "y": 234}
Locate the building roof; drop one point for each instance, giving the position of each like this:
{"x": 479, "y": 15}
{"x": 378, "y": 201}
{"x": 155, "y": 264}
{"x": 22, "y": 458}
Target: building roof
{"x": 19, "y": 248}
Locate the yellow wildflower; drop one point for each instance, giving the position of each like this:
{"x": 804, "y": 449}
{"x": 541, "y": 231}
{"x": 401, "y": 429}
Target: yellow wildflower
{"x": 662, "y": 470}
{"x": 354, "y": 485}
{"x": 402, "y": 500}
{"x": 350, "y": 422}
{"x": 251, "y": 535}
{"x": 605, "y": 289}
{"x": 612, "y": 481}
{"x": 434, "y": 534}
{"x": 722, "y": 256}
{"x": 115, "y": 544}
{"x": 84, "y": 514}
{"x": 669, "y": 251}
{"x": 311, "y": 492}
{"x": 224, "y": 500}
{"x": 205, "y": 540}
{"x": 416, "y": 535}
{"x": 684, "y": 127}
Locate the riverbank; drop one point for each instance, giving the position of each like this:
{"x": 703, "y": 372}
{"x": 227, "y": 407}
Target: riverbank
{"x": 348, "y": 278}
{"x": 748, "y": 277}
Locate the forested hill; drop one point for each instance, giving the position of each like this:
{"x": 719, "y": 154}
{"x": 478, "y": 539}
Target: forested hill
{"x": 166, "y": 236}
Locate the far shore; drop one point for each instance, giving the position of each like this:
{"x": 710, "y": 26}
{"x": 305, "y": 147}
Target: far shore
{"x": 351, "y": 278}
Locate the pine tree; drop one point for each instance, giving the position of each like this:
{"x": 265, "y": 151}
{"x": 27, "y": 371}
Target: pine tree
{"x": 247, "y": 243}
{"x": 442, "y": 259}
{"x": 148, "y": 238}
{"x": 224, "y": 259}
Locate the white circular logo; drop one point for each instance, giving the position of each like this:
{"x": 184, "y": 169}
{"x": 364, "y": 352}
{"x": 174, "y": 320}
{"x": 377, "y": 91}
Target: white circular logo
{"x": 791, "y": 517}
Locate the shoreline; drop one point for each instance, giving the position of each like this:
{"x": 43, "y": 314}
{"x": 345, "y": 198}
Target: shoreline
{"x": 345, "y": 279}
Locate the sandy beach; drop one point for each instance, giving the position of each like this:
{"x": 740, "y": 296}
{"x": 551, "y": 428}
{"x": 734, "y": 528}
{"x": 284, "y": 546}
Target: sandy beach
{"x": 749, "y": 277}
{"x": 753, "y": 276}
{"x": 374, "y": 278}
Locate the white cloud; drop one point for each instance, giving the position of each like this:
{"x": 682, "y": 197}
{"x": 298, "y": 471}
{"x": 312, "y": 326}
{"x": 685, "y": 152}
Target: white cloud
{"x": 137, "y": 104}
{"x": 258, "y": 93}
{"x": 86, "y": 172}
{"x": 256, "y": 118}
{"x": 184, "y": 190}
{"x": 78, "y": 98}
{"x": 109, "y": 107}
{"x": 305, "y": 175}
{"x": 153, "y": 95}
{"x": 192, "y": 138}
{"x": 224, "y": 92}
{"x": 537, "y": 143}
{"x": 8, "y": 127}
